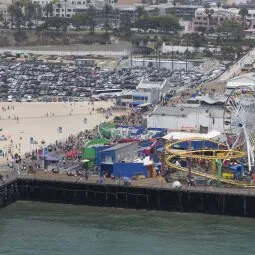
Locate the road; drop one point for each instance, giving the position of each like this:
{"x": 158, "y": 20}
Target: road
{"x": 119, "y": 48}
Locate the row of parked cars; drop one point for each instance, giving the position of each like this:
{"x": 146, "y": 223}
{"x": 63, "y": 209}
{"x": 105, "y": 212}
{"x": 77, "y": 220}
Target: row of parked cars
{"x": 52, "y": 82}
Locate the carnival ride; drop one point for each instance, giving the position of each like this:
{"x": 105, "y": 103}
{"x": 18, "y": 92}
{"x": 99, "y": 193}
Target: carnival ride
{"x": 239, "y": 121}
{"x": 194, "y": 157}
{"x": 239, "y": 128}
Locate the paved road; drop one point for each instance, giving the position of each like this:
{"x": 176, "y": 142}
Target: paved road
{"x": 115, "y": 49}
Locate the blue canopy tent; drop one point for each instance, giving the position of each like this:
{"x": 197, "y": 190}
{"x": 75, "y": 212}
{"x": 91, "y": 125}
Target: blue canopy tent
{"x": 237, "y": 169}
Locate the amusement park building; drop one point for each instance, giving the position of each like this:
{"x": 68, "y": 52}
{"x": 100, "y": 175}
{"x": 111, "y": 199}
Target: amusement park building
{"x": 200, "y": 119}
{"x": 120, "y": 152}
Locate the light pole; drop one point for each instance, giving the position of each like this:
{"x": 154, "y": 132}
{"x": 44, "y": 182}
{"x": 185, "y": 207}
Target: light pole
{"x": 43, "y": 142}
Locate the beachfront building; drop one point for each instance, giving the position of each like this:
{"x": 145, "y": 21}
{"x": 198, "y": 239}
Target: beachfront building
{"x": 120, "y": 152}
{"x": 134, "y": 98}
{"x": 202, "y": 22}
{"x": 147, "y": 92}
{"x": 196, "y": 118}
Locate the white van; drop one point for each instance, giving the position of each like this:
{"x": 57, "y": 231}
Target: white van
{"x": 10, "y": 99}
{"x": 29, "y": 99}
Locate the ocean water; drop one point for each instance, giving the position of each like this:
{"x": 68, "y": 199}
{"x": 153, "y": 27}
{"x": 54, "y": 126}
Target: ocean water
{"x": 52, "y": 229}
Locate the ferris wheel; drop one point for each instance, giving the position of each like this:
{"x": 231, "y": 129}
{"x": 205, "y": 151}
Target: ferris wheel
{"x": 239, "y": 121}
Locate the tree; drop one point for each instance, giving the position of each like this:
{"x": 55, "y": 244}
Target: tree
{"x": 16, "y": 15}
{"x": 107, "y": 10}
{"x": 233, "y": 29}
{"x": 157, "y": 47}
{"x": 163, "y": 22}
{"x": 125, "y": 24}
{"x": 79, "y": 19}
{"x": 218, "y": 6}
{"x": 168, "y": 22}
{"x": 48, "y": 9}
{"x": 38, "y": 12}
{"x": 91, "y": 14}
{"x": 209, "y": 13}
{"x": 243, "y": 12}
{"x": 30, "y": 12}
{"x": 140, "y": 12}
{"x": 57, "y": 23}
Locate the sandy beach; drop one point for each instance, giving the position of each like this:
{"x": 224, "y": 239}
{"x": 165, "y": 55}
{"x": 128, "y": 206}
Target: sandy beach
{"x": 42, "y": 120}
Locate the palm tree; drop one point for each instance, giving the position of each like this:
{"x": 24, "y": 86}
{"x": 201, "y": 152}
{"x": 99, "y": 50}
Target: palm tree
{"x": 243, "y": 12}
{"x": 65, "y": 8}
{"x": 91, "y": 12}
{"x": 107, "y": 10}
{"x": 11, "y": 11}
{"x": 16, "y": 14}
{"x": 157, "y": 48}
{"x": 140, "y": 12}
{"x": 209, "y": 13}
{"x": 218, "y": 6}
{"x": 38, "y": 15}
{"x": 30, "y": 12}
{"x": 48, "y": 9}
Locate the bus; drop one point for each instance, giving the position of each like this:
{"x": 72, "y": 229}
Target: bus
{"x": 106, "y": 91}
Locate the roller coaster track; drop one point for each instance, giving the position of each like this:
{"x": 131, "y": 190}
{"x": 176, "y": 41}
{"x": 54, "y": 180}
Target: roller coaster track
{"x": 208, "y": 154}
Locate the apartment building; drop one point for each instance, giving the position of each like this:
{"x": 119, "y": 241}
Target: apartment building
{"x": 202, "y": 21}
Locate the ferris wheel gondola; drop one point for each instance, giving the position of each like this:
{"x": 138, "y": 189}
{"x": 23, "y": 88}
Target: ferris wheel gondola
{"x": 239, "y": 121}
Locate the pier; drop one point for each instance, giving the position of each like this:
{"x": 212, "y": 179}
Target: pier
{"x": 8, "y": 192}
{"x": 108, "y": 195}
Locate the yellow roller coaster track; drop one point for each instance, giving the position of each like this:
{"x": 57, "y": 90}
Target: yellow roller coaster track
{"x": 209, "y": 154}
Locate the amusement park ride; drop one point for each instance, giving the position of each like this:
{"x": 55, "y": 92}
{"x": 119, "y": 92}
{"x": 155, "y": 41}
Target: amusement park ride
{"x": 231, "y": 162}
{"x": 202, "y": 157}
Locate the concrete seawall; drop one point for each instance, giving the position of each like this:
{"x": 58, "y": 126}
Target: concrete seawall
{"x": 127, "y": 197}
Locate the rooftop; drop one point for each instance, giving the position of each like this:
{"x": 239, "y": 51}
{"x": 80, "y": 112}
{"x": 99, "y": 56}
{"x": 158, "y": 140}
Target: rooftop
{"x": 184, "y": 111}
{"x": 147, "y": 84}
{"x": 242, "y": 80}
{"x": 119, "y": 146}
{"x": 214, "y": 99}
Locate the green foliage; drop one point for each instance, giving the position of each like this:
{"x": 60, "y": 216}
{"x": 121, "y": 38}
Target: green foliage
{"x": 16, "y": 14}
{"x": 91, "y": 13}
{"x": 233, "y": 28}
{"x": 227, "y": 52}
{"x": 78, "y": 20}
{"x": 48, "y": 9}
{"x": 125, "y": 24}
{"x": 57, "y": 22}
{"x": 163, "y": 22}
{"x": 30, "y": 11}
{"x": 207, "y": 53}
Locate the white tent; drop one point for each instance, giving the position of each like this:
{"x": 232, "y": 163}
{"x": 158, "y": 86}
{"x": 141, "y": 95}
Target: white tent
{"x": 187, "y": 135}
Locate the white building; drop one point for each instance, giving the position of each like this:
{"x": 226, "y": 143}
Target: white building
{"x": 242, "y": 80}
{"x": 186, "y": 118}
{"x": 202, "y": 22}
{"x": 158, "y": 89}
{"x": 134, "y": 98}
{"x": 181, "y": 49}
